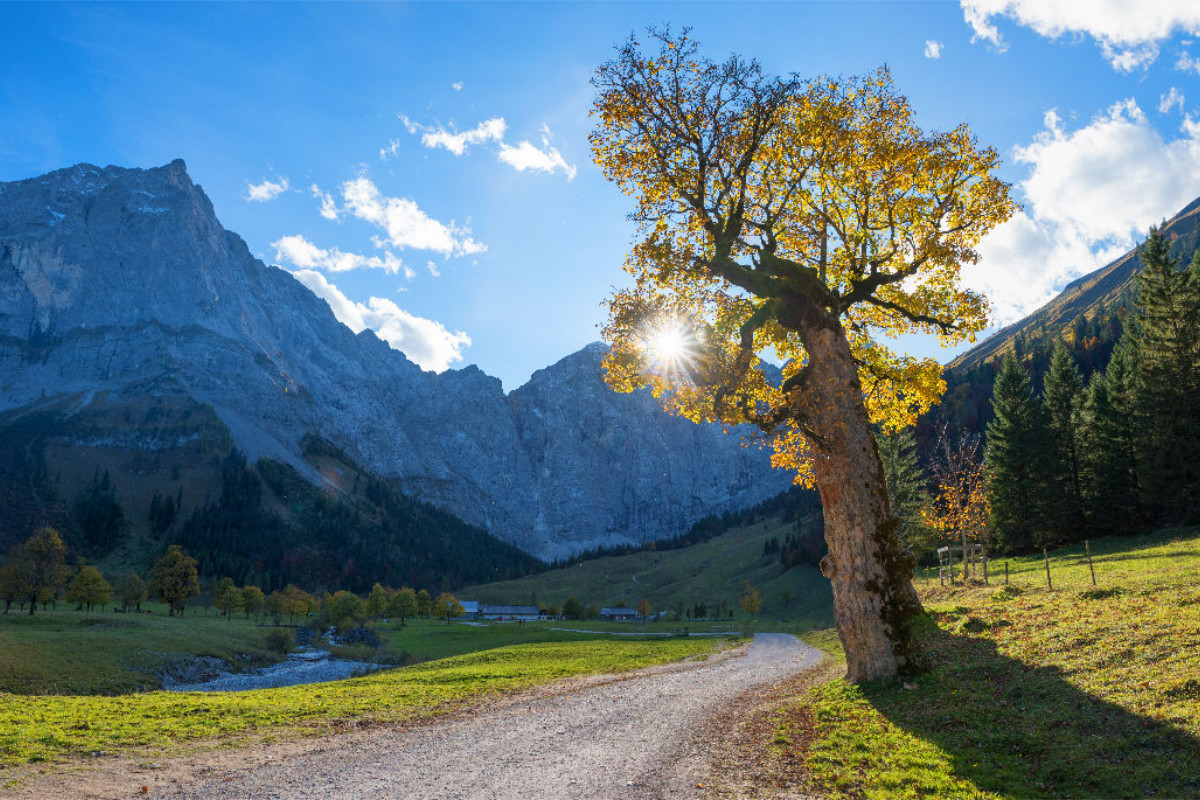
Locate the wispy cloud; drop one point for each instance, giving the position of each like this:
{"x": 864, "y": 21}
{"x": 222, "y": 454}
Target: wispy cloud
{"x": 1172, "y": 99}
{"x": 329, "y": 209}
{"x": 300, "y": 252}
{"x": 1128, "y": 33}
{"x": 457, "y": 86}
{"x": 524, "y": 155}
{"x": 457, "y": 142}
{"x": 428, "y": 343}
{"x": 1090, "y": 195}
{"x": 1186, "y": 63}
{"x": 404, "y": 223}
{"x": 267, "y": 190}
{"x": 933, "y": 49}
{"x": 390, "y": 151}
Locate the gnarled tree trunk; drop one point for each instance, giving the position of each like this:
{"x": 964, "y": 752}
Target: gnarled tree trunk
{"x": 874, "y": 602}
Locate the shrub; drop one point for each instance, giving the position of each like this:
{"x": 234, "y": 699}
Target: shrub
{"x": 280, "y": 641}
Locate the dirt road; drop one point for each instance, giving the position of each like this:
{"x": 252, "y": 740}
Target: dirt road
{"x": 629, "y": 737}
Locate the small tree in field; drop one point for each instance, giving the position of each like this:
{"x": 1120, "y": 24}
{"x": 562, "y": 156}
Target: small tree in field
{"x": 89, "y": 589}
{"x": 751, "y": 600}
{"x": 812, "y": 220}
{"x": 173, "y": 578}
{"x": 447, "y": 607}
{"x": 424, "y": 603}
{"x": 253, "y": 600}
{"x": 39, "y": 566}
{"x": 644, "y": 609}
{"x": 132, "y": 591}
{"x": 403, "y": 605}
{"x": 959, "y": 509}
{"x": 377, "y": 601}
{"x": 227, "y": 597}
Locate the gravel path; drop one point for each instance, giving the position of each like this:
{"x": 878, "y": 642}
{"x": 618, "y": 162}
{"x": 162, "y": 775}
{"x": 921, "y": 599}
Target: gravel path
{"x": 626, "y": 738}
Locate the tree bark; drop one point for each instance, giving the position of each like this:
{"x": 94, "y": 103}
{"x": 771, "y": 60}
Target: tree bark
{"x": 874, "y": 602}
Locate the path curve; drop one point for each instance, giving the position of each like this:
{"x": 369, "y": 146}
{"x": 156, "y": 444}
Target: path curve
{"x": 623, "y": 737}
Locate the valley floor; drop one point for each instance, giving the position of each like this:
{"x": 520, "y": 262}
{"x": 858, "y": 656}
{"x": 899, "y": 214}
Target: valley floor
{"x": 644, "y": 734}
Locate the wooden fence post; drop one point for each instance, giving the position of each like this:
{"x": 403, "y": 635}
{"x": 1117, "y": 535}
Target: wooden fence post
{"x": 1087, "y": 547}
{"x": 1046, "y": 555}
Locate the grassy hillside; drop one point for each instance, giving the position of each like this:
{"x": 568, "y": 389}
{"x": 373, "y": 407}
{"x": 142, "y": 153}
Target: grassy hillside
{"x": 1077, "y": 692}
{"x": 711, "y": 573}
{"x": 1097, "y": 293}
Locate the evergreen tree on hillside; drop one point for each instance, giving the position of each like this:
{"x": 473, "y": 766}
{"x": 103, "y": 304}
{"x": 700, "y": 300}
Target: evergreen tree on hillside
{"x": 1107, "y": 447}
{"x": 1016, "y": 460}
{"x": 1063, "y": 400}
{"x": 1167, "y": 344}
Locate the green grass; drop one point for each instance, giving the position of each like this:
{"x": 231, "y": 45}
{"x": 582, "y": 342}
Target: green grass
{"x": 1080, "y": 691}
{"x": 71, "y": 652}
{"x": 426, "y": 639}
{"x": 711, "y": 572}
{"x": 52, "y": 728}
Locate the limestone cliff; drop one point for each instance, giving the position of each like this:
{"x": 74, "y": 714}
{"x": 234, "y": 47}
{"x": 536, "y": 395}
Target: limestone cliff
{"x": 124, "y": 281}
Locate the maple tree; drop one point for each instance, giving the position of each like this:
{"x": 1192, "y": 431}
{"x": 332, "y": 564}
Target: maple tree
{"x": 809, "y": 219}
{"x": 959, "y": 509}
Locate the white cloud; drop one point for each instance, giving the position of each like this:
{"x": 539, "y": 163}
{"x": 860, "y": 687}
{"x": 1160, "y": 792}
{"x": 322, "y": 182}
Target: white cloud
{"x": 406, "y": 225}
{"x": 1089, "y": 196}
{"x": 1128, "y": 33}
{"x": 527, "y": 156}
{"x": 329, "y": 209}
{"x": 299, "y": 252}
{"x": 933, "y": 49}
{"x": 433, "y": 269}
{"x": 1188, "y": 64}
{"x": 426, "y": 342}
{"x": 1172, "y": 99}
{"x": 457, "y": 86}
{"x": 392, "y": 150}
{"x": 267, "y": 190}
{"x": 491, "y": 130}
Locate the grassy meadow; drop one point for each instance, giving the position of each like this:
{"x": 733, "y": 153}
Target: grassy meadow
{"x": 36, "y": 728}
{"x": 1077, "y": 692}
{"x": 711, "y": 573}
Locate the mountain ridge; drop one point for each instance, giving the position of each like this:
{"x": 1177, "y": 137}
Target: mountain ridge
{"x": 1102, "y": 290}
{"x": 124, "y": 281}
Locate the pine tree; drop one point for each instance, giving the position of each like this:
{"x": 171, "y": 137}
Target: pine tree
{"x": 1107, "y": 448}
{"x": 1016, "y": 460}
{"x": 1167, "y": 344}
{"x": 906, "y": 486}
{"x": 1063, "y": 401}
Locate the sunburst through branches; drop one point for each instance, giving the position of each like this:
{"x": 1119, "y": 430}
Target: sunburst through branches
{"x": 672, "y": 348}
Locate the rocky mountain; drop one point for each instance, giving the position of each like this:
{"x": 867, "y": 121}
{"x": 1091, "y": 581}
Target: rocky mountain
{"x": 119, "y": 285}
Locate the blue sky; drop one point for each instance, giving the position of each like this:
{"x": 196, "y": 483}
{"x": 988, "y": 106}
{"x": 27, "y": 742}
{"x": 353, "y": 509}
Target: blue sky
{"x": 425, "y": 168}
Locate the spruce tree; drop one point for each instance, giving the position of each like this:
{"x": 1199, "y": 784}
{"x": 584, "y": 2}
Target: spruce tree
{"x": 1016, "y": 460}
{"x": 906, "y": 486}
{"x": 1107, "y": 447}
{"x": 1167, "y": 344}
{"x": 1062, "y": 397}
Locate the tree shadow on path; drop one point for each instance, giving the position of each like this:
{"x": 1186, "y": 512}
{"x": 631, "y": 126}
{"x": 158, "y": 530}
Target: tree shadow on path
{"x": 1024, "y": 731}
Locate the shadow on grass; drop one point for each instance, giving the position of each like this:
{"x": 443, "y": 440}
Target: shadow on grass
{"x": 1024, "y": 731}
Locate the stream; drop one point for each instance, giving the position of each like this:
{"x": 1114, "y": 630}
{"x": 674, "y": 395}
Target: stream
{"x": 305, "y": 666}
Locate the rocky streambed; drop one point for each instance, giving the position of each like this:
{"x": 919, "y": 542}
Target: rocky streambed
{"x": 308, "y": 665}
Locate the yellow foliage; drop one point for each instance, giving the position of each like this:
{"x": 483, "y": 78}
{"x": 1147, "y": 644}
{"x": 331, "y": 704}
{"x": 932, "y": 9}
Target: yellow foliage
{"x": 766, "y": 204}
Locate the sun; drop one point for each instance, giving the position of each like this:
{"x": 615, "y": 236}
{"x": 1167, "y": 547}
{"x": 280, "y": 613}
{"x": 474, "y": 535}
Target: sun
{"x": 671, "y": 347}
